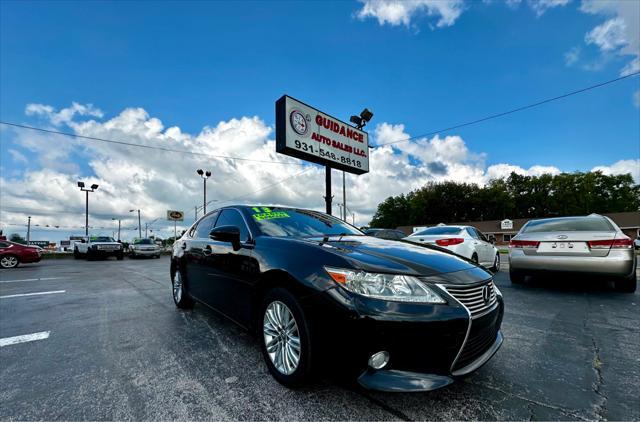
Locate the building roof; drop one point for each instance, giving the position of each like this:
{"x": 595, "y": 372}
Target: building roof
{"x": 624, "y": 220}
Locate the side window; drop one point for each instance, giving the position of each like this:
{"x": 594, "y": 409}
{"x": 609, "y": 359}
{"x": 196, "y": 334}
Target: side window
{"x": 480, "y": 235}
{"x": 231, "y": 217}
{"x": 3, "y": 245}
{"x": 472, "y": 233}
{"x": 205, "y": 225}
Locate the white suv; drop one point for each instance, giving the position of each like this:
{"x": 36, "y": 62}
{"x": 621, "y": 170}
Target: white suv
{"x": 98, "y": 247}
{"x": 466, "y": 241}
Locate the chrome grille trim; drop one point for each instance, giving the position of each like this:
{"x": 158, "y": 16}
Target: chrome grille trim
{"x": 471, "y": 297}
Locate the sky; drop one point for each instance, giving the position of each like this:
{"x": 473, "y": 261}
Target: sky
{"x": 204, "y": 77}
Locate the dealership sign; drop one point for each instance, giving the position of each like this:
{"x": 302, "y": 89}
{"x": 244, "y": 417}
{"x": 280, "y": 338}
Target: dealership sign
{"x": 506, "y": 225}
{"x": 175, "y": 215}
{"x": 309, "y": 134}
{"x": 41, "y": 243}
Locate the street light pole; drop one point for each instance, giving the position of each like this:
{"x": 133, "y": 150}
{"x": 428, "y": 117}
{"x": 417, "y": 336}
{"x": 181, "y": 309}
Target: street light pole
{"x": 86, "y": 217}
{"x": 139, "y": 224}
{"x": 205, "y": 175}
{"x": 118, "y": 227}
{"x": 28, "y": 230}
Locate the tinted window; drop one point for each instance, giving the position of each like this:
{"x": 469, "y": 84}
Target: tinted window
{"x": 205, "y": 225}
{"x": 399, "y": 234}
{"x": 233, "y": 218}
{"x": 101, "y": 239}
{"x": 472, "y": 233}
{"x": 480, "y": 235}
{"x": 438, "y": 230}
{"x": 143, "y": 242}
{"x": 568, "y": 224}
{"x": 4, "y": 245}
{"x": 299, "y": 223}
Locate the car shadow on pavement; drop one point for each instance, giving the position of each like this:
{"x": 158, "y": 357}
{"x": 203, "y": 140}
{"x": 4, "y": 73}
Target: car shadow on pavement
{"x": 571, "y": 283}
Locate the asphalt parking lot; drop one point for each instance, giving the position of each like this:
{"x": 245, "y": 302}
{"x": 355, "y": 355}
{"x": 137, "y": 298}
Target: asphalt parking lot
{"x": 117, "y": 348}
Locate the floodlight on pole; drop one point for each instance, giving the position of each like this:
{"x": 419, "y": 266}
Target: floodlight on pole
{"x": 205, "y": 175}
{"x": 86, "y": 219}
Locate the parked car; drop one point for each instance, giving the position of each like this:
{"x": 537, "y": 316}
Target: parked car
{"x": 636, "y": 242}
{"x": 95, "y": 247}
{"x": 465, "y": 241}
{"x": 591, "y": 244}
{"x": 321, "y": 295}
{"x": 144, "y": 247}
{"x": 13, "y": 254}
{"x": 390, "y": 234}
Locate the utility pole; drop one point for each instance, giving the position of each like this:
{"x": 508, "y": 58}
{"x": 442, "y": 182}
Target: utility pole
{"x": 196, "y": 208}
{"x": 344, "y": 198}
{"x": 139, "y": 224}
{"x": 327, "y": 181}
{"x": 28, "y": 230}
{"x": 118, "y": 227}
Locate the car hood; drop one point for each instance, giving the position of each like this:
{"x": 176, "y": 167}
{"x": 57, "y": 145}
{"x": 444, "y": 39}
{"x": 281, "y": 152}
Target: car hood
{"x": 393, "y": 256}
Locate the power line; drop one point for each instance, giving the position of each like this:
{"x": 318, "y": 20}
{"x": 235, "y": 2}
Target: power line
{"x": 515, "y": 110}
{"x": 111, "y": 141}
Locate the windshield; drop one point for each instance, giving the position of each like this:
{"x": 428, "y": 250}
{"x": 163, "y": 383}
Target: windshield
{"x": 289, "y": 222}
{"x": 143, "y": 242}
{"x": 101, "y": 239}
{"x": 569, "y": 224}
{"x": 438, "y": 230}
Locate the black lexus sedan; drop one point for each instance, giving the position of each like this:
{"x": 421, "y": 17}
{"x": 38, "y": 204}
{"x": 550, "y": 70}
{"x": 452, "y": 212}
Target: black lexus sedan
{"x": 322, "y": 296}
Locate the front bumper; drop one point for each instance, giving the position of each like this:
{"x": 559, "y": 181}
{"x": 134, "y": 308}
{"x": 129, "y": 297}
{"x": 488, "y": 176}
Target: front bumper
{"x": 429, "y": 345}
{"x": 616, "y": 263}
{"x": 150, "y": 252}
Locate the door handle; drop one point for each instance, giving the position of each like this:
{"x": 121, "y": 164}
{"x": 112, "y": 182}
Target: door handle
{"x": 207, "y": 250}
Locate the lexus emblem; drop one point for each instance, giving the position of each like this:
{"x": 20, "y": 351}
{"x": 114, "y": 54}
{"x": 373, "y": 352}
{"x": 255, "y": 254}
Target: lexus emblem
{"x": 562, "y": 236}
{"x": 486, "y": 294}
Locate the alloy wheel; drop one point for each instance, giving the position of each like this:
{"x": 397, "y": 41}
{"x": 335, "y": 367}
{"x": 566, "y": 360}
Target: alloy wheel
{"x": 177, "y": 286}
{"x": 496, "y": 263}
{"x": 281, "y": 337}
{"x": 9, "y": 261}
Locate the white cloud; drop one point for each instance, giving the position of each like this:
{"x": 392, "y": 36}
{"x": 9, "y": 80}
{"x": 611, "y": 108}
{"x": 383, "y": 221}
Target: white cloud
{"x": 622, "y": 167}
{"x": 541, "y": 6}
{"x": 155, "y": 180}
{"x": 401, "y": 12}
{"x": 17, "y": 156}
{"x": 636, "y": 98}
{"x": 65, "y": 115}
{"x": 572, "y": 56}
{"x": 620, "y": 33}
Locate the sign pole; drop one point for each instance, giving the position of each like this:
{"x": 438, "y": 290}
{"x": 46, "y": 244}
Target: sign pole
{"x": 327, "y": 180}
{"x": 175, "y": 232}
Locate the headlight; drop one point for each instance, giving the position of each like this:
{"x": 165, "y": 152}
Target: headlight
{"x": 401, "y": 288}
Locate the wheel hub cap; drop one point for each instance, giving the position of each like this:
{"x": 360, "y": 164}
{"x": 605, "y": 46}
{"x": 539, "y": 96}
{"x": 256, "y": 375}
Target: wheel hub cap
{"x": 281, "y": 337}
{"x": 177, "y": 286}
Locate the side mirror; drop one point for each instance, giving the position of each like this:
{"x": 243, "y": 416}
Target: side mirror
{"x": 83, "y": 241}
{"x": 229, "y": 234}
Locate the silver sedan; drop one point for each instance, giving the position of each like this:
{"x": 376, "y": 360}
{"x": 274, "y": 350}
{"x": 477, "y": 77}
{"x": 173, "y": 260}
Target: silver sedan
{"x": 591, "y": 244}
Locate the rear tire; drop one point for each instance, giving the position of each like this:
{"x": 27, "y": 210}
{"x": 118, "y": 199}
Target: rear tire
{"x": 627, "y": 284}
{"x": 297, "y": 336}
{"x": 180, "y": 294}
{"x": 76, "y": 254}
{"x": 120, "y": 256}
{"x": 516, "y": 277}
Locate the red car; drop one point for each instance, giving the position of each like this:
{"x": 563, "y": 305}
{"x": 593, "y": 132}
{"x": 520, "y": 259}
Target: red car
{"x": 12, "y": 254}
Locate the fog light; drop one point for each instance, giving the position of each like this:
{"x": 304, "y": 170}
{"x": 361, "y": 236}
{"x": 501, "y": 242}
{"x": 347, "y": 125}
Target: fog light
{"x": 379, "y": 360}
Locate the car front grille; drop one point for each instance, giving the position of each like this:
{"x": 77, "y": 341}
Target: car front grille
{"x": 481, "y": 337}
{"x": 474, "y": 298}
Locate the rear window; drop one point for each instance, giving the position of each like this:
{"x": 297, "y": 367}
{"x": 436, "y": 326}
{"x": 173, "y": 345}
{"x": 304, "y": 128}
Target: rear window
{"x": 438, "y": 231}
{"x": 569, "y": 224}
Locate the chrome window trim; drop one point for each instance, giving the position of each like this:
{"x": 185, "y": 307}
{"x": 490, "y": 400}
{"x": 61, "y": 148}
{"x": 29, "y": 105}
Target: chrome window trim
{"x": 466, "y": 337}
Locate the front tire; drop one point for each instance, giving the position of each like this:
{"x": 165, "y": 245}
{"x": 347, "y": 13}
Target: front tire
{"x": 286, "y": 339}
{"x": 516, "y": 276}
{"x": 9, "y": 261}
{"x": 120, "y": 256}
{"x": 496, "y": 263}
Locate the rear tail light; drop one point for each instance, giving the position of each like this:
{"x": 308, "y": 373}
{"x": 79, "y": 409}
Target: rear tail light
{"x": 450, "y": 241}
{"x": 524, "y": 244}
{"x": 625, "y": 243}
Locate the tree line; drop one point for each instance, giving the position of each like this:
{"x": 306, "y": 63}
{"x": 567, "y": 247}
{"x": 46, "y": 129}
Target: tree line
{"x": 517, "y": 196}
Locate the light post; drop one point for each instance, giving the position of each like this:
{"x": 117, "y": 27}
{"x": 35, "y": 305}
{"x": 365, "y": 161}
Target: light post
{"x": 205, "y": 175}
{"x": 139, "y": 224}
{"x": 86, "y": 219}
{"x": 118, "y": 227}
{"x": 28, "y": 230}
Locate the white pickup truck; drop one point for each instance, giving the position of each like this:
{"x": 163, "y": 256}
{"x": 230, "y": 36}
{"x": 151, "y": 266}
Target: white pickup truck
{"x": 98, "y": 247}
